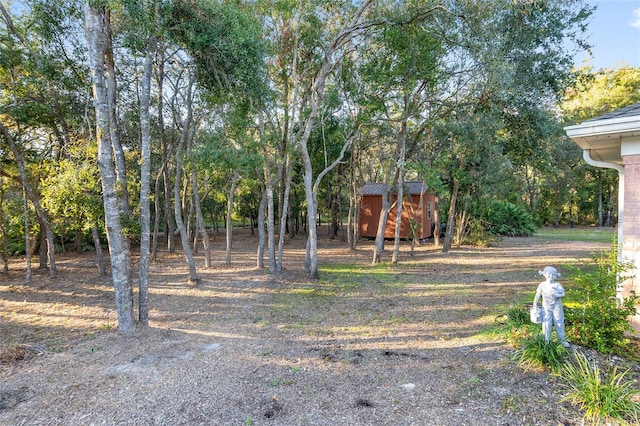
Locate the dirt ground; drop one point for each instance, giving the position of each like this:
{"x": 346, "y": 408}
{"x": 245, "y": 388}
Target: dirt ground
{"x": 407, "y": 345}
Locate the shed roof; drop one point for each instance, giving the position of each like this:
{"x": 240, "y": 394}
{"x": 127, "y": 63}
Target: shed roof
{"x": 372, "y": 188}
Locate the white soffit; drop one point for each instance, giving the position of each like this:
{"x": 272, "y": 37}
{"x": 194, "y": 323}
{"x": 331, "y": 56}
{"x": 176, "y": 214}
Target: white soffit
{"x": 604, "y": 137}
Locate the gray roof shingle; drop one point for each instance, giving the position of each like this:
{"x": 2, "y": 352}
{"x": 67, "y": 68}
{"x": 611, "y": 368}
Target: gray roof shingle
{"x": 632, "y": 110}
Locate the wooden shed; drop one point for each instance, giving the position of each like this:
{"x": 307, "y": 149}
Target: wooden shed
{"x": 412, "y": 209}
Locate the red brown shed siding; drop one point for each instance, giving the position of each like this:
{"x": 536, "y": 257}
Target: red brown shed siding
{"x": 371, "y": 204}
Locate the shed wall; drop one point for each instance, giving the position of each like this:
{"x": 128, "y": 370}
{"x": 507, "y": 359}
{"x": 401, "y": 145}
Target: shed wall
{"x": 371, "y": 205}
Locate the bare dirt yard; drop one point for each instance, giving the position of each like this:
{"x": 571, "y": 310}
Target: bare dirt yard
{"x": 415, "y": 344}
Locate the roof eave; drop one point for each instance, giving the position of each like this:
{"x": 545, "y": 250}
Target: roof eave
{"x": 603, "y": 138}
{"x": 611, "y": 127}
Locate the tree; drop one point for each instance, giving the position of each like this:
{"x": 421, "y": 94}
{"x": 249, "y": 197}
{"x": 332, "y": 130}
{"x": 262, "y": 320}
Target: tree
{"x": 401, "y": 72}
{"x": 511, "y": 66}
{"x": 37, "y": 96}
{"x": 599, "y": 92}
{"x": 351, "y": 26}
{"x": 146, "y": 13}
{"x": 223, "y": 43}
{"x": 97, "y": 23}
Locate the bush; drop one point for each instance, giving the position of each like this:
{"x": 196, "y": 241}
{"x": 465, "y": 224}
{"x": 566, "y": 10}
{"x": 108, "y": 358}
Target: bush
{"x": 600, "y": 319}
{"x": 494, "y": 219}
{"x": 601, "y": 397}
{"x": 507, "y": 219}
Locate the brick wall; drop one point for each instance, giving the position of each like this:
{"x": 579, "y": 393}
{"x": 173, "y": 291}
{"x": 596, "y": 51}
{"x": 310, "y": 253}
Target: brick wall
{"x": 631, "y": 225}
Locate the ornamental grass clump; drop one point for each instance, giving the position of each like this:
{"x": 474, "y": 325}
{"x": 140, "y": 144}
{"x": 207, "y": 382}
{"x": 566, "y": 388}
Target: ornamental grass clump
{"x": 536, "y": 352}
{"x": 602, "y": 397}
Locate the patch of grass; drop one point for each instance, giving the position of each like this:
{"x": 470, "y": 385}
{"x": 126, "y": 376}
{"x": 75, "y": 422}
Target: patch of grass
{"x": 275, "y": 382}
{"x": 602, "y": 397}
{"x": 511, "y": 404}
{"x": 350, "y": 277}
{"x": 599, "y": 235}
{"x": 536, "y": 352}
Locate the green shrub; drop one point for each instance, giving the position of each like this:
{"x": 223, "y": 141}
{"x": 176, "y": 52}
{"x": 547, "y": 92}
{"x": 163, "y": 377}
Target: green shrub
{"x": 599, "y": 319}
{"x": 602, "y": 398}
{"x": 493, "y": 219}
{"x": 536, "y": 352}
{"x": 507, "y": 219}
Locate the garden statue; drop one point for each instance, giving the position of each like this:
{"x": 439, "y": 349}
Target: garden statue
{"x": 552, "y": 313}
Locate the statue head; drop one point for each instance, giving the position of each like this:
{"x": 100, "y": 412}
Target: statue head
{"x": 550, "y": 273}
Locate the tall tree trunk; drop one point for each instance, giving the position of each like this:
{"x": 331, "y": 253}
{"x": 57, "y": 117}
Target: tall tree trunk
{"x": 200, "y": 220}
{"x": 399, "y": 201}
{"x": 378, "y": 246}
{"x": 169, "y": 224}
{"x": 145, "y": 184}
{"x": 284, "y": 211}
{"x": 270, "y": 220}
{"x": 436, "y": 221}
{"x": 610, "y": 208}
{"x": 43, "y": 251}
{"x": 571, "y": 209}
{"x": 451, "y": 218}
{"x": 27, "y": 237}
{"x": 3, "y": 234}
{"x": 95, "y": 32}
{"x": 157, "y": 215}
{"x": 260, "y": 224}
{"x": 330, "y": 59}
{"x": 401, "y": 149}
{"x": 352, "y": 216}
{"x": 114, "y": 133}
{"x": 177, "y": 204}
{"x": 232, "y": 190}
{"x": 98, "y": 246}
{"x": 352, "y": 221}
{"x": 463, "y": 217}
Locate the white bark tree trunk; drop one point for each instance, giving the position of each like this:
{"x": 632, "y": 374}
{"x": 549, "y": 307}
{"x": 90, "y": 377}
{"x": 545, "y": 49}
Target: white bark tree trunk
{"x": 232, "y": 190}
{"x": 200, "y": 220}
{"x": 261, "y": 231}
{"x": 96, "y": 22}
{"x": 402, "y": 143}
{"x": 270, "y": 221}
{"x": 177, "y": 204}
{"x": 114, "y": 134}
{"x": 284, "y": 211}
{"x": 378, "y": 246}
{"x": 145, "y": 184}
{"x": 27, "y": 237}
{"x": 331, "y": 58}
{"x": 98, "y": 246}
